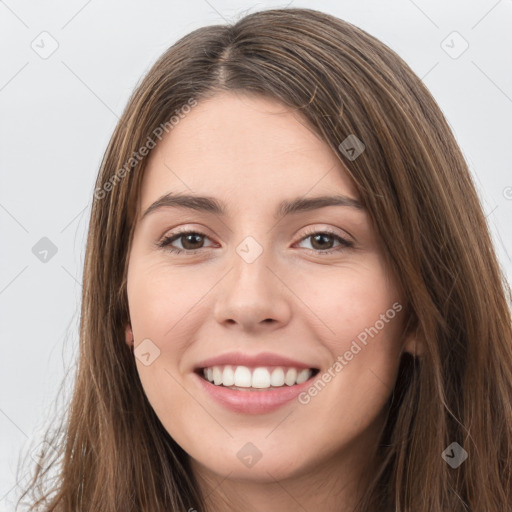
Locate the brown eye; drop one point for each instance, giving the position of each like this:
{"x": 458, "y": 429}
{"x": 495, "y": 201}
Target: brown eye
{"x": 191, "y": 241}
{"x": 322, "y": 242}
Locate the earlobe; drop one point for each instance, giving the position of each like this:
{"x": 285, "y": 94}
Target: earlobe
{"x": 129, "y": 335}
{"x": 414, "y": 345}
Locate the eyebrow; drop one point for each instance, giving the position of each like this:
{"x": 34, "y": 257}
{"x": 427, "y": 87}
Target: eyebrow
{"x": 213, "y": 205}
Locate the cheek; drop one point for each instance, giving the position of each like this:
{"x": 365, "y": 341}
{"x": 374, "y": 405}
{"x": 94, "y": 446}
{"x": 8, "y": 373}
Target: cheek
{"x": 160, "y": 298}
{"x": 361, "y": 325}
{"x": 161, "y": 305}
{"x": 351, "y": 299}
{"x": 158, "y": 303}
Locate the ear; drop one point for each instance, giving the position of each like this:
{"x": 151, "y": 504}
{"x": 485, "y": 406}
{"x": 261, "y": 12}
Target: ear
{"x": 414, "y": 344}
{"x": 129, "y": 335}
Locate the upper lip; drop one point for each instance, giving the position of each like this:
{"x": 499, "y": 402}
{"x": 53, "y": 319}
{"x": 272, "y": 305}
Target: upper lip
{"x": 262, "y": 359}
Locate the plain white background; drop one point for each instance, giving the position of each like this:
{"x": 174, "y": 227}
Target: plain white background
{"x": 59, "y": 109}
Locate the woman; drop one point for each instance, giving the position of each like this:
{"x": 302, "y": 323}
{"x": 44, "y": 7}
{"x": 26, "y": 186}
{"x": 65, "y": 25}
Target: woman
{"x": 226, "y": 364}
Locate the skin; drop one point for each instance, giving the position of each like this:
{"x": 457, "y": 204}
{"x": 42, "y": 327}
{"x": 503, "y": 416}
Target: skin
{"x": 251, "y": 153}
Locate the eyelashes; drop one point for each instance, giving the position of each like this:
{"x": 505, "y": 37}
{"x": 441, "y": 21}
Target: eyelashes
{"x": 165, "y": 243}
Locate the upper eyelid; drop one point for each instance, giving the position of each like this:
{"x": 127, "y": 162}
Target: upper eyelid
{"x": 203, "y": 231}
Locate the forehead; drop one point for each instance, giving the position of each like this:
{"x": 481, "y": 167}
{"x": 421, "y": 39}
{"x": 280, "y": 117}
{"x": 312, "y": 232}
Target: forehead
{"x": 244, "y": 149}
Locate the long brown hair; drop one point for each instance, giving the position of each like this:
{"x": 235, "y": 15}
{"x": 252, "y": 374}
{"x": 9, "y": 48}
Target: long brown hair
{"x": 113, "y": 452}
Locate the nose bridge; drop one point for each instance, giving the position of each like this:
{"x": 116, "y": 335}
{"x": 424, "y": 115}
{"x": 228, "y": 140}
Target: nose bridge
{"x": 251, "y": 275}
{"x": 251, "y": 293}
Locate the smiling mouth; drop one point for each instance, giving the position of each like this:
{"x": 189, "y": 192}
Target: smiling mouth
{"x": 262, "y": 378}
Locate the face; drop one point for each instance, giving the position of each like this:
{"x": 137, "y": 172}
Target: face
{"x": 252, "y": 286}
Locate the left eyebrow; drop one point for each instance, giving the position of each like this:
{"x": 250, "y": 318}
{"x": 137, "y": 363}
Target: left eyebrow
{"x": 287, "y": 207}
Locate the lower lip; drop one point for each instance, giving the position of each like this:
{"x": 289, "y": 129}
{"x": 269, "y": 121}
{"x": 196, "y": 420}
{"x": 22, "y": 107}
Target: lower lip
{"x": 253, "y": 402}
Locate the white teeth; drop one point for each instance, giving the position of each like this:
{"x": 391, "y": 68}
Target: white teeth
{"x": 291, "y": 377}
{"x": 217, "y": 375}
{"x": 277, "y": 378}
{"x": 228, "y": 376}
{"x": 242, "y": 377}
{"x": 303, "y": 376}
{"x": 258, "y": 378}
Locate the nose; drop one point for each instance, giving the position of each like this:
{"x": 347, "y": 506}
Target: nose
{"x": 253, "y": 296}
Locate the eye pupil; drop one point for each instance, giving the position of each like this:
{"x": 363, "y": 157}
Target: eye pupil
{"x": 321, "y": 235}
{"x": 187, "y": 237}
